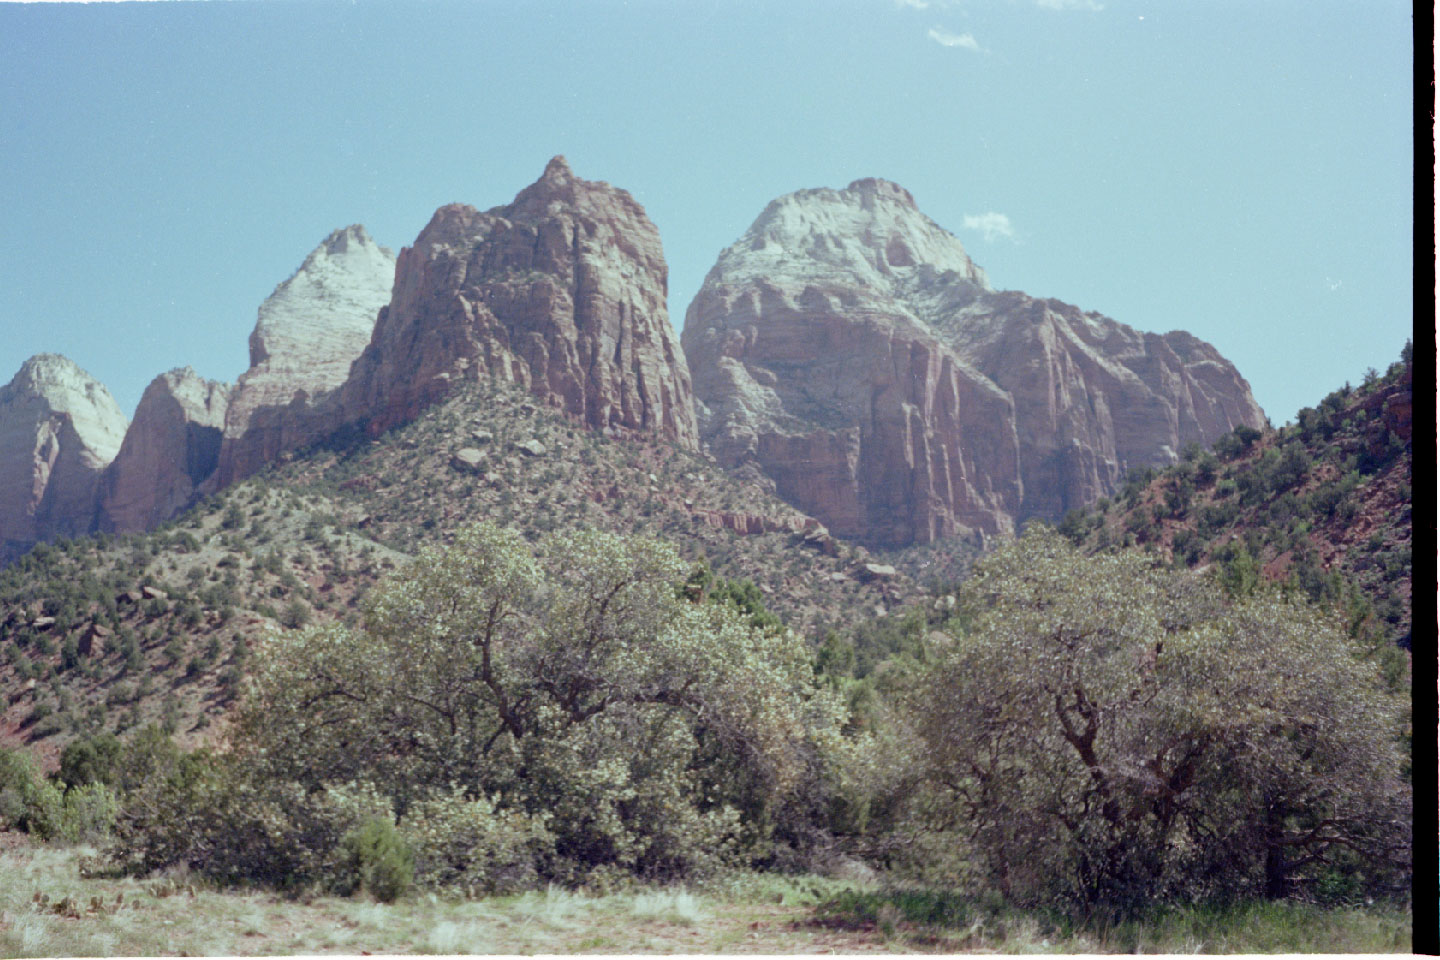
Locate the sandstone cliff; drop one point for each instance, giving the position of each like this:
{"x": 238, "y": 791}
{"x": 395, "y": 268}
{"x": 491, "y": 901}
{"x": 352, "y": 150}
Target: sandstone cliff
{"x": 562, "y": 291}
{"x": 847, "y": 346}
{"x": 59, "y": 427}
{"x": 172, "y": 447}
{"x": 309, "y": 332}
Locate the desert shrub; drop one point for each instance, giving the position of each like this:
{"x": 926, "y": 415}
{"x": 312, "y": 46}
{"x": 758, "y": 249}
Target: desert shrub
{"x": 210, "y": 814}
{"x": 89, "y": 760}
{"x": 467, "y": 845}
{"x": 1111, "y": 733}
{"x": 28, "y": 801}
{"x": 87, "y": 813}
{"x": 376, "y": 859}
{"x": 659, "y": 735}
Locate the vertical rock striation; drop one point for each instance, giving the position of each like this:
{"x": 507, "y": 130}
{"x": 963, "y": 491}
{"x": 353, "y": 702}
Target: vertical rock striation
{"x": 562, "y": 291}
{"x": 171, "y": 448}
{"x": 59, "y": 427}
{"x": 848, "y": 347}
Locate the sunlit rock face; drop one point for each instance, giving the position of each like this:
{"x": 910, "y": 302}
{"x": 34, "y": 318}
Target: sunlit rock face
{"x": 562, "y": 291}
{"x": 59, "y": 428}
{"x": 171, "y": 448}
{"x": 848, "y": 347}
{"x": 309, "y": 332}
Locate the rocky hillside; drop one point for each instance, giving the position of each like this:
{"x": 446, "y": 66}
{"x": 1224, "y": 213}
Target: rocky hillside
{"x": 114, "y": 631}
{"x": 59, "y": 428}
{"x": 848, "y": 348}
{"x": 1323, "y": 505}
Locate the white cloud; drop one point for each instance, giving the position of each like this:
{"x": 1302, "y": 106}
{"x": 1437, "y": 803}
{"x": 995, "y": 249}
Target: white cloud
{"x": 1070, "y": 4}
{"x": 913, "y": 4}
{"x": 994, "y": 226}
{"x": 947, "y": 39}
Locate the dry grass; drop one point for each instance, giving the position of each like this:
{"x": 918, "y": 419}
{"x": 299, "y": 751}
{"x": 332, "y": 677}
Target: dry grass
{"x": 749, "y": 914}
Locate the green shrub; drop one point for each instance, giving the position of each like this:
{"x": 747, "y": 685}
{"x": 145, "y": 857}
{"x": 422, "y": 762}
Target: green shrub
{"x": 91, "y": 760}
{"x": 28, "y": 802}
{"x": 376, "y": 859}
{"x": 468, "y": 845}
{"x": 87, "y": 814}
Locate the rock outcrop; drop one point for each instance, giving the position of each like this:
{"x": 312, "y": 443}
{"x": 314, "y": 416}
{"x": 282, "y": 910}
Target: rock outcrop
{"x": 171, "y": 448}
{"x": 59, "y": 427}
{"x": 562, "y": 291}
{"x": 309, "y": 332}
{"x": 849, "y": 348}
{"x": 810, "y": 360}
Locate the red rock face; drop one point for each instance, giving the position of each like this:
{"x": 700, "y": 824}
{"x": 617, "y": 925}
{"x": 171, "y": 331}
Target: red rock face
{"x": 848, "y": 347}
{"x": 1095, "y": 398}
{"x": 171, "y": 448}
{"x": 562, "y": 291}
{"x": 870, "y": 424}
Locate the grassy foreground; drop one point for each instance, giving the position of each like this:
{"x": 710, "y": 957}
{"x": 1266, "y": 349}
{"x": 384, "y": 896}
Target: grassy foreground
{"x": 48, "y": 909}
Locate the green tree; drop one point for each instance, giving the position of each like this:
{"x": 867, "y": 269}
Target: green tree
{"x": 657, "y": 735}
{"x": 1110, "y": 732}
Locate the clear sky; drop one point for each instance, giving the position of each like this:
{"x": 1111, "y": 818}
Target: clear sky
{"x": 1238, "y": 169}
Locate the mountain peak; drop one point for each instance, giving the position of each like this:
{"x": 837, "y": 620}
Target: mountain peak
{"x": 341, "y": 284}
{"x": 876, "y": 187}
{"x": 871, "y": 232}
{"x": 557, "y": 169}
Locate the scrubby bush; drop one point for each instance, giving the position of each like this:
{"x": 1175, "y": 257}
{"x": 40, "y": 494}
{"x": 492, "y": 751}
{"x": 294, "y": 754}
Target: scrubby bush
{"x": 467, "y": 845}
{"x": 376, "y": 859}
{"x": 573, "y": 688}
{"x": 1111, "y": 733}
{"x": 28, "y": 801}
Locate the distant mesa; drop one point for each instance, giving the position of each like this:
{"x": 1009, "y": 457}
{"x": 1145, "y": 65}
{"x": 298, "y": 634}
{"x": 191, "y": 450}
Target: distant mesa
{"x": 848, "y": 347}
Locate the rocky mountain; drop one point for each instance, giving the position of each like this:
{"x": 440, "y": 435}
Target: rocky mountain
{"x": 171, "y": 448}
{"x": 59, "y": 428}
{"x": 563, "y": 292}
{"x": 1323, "y": 504}
{"x": 849, "y": 348}
{"x": 309, "y": 332}
{"x": 115, "y": 631}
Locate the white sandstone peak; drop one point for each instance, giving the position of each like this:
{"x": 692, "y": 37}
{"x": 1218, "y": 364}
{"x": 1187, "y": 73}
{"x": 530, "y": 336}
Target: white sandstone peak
{"x": 871, "y": 231}
{"x": 314, "y": 325}
{"x": 48, "y": 384}
{"x": 334, "y": 295}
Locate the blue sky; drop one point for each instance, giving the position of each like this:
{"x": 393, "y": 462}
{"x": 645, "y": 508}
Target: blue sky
{"x": 1237, "y": 169}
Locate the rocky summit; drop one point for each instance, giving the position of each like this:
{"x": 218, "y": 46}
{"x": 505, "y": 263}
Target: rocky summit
{"x": 849, "y": 348}
{"x": 171, "y": 448}
{"x": 309, "y": 332}
{"x": 562, "y": 292}
{"x": 59, "y": 427}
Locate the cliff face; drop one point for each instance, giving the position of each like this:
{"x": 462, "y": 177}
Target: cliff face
{"x": 59, "y": 427}
{"x": 848, "y": 347}
{"x": 562, "y": 291}
{"x": 1094, "y": 398}
{"x": 309, "y": 332}
{"x": 171, "y": 448}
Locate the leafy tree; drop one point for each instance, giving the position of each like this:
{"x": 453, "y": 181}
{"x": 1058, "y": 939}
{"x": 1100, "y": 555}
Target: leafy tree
{"x": 657, "y": 734}
{"x": 1110, "y": 733}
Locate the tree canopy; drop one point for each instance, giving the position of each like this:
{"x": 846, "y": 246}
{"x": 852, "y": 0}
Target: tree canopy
{"x": 1109, "y": 732}
{"x": 572, "y": 683}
